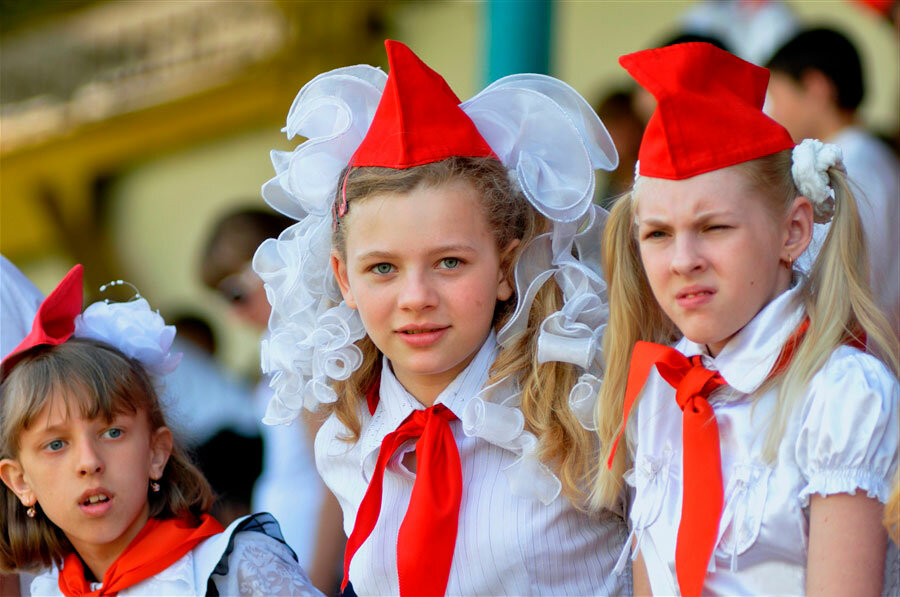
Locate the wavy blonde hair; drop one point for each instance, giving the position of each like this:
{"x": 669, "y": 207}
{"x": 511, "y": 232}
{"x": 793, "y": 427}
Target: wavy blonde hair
{"x": 564, "y": 444}
{"x": 835, "y": 296}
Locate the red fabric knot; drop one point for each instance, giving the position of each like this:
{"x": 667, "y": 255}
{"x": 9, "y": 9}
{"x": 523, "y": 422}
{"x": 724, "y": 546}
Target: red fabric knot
{"x": 432, "y": 518}
{"x": 158, "y": 545}
{"x": 702, "y": 498}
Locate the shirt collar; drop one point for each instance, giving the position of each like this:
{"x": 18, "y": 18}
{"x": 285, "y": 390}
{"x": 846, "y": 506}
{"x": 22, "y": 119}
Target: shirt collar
{"x": 749, "y": 356}
{"x": 395, "y": 403}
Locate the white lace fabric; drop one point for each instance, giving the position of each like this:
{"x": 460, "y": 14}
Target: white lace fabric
{"x": 549, "y": 138}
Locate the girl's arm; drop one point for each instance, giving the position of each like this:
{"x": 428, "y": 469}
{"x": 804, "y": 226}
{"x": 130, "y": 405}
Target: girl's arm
{"x": 846, "y": 545}
{"x": 640, "y": 579}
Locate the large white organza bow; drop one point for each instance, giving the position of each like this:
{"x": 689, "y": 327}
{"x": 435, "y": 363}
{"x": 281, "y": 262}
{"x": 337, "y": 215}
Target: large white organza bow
{"x": 549, "y": 138}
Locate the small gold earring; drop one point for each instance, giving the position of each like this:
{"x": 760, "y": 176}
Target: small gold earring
{"x": 154, "y": 486}
{"x": 790, "y": 262}
{"x": 30, "y": 512}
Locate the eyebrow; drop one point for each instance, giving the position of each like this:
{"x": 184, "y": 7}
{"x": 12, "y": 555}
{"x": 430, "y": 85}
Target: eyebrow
{"x": 451, "y": 248}
{"x": 700, "y": 218}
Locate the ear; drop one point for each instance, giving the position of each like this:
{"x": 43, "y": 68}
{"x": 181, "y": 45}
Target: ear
{"x": 14, "y": 477}
{"x": 505, "y": 275}
{"x": 339, "y": 267}
{"x": 160, "y": 449}
{"x": 798, "y": 230}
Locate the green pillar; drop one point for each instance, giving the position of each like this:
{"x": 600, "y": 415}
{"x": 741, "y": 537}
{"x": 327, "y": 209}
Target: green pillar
{"x": 517, "y": 37}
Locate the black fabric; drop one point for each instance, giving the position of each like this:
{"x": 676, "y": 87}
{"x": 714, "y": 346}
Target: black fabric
{"x": 262, "y": 522}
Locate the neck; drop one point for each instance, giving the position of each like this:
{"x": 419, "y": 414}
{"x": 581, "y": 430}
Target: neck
{"x": 98, "y": 557}
{"x": 833, "y": 123}
{"x": 427, "y": 389}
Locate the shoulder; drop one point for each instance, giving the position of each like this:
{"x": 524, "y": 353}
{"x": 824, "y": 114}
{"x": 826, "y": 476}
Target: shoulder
{"x": 46, "y": 583}
{"x": 856, "y": 377}
{"x": 848, "y": 428}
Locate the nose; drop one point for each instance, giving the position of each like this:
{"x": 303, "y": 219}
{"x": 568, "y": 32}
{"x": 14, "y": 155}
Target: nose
{"x": 89, "y": 459}
{"x": 417, "y": 292}
{"x": 687, "y": 255}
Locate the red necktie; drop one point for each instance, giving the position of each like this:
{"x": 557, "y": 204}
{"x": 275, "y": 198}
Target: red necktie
{"x": 157, "y": 546}
{"x": 427, "y": 535}
{"x": 702, "y": 498}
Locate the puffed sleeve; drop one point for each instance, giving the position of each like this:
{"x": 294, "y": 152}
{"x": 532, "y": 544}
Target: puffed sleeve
{"x": 849, "y": 428}
{"x": 258, "y": 563}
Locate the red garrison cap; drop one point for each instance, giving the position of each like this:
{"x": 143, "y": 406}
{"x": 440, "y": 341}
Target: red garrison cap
{"x": 418, "y": 120}
{"x": 54, "y": 321}
{"x": 709, "y": 110}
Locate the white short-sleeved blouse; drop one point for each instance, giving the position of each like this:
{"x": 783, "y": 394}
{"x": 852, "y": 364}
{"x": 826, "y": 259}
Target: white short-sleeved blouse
{"x": 841, "y": 438}
{"x": 506, "y": 544}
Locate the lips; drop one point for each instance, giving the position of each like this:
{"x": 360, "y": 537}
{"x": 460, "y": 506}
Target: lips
{"x": 422, "y": 336}
{"x": 693, "y": 297}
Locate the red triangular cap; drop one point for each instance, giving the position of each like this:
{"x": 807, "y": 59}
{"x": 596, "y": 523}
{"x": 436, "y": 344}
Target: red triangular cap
{"x": 54, "y": 321}
{"x": 418, "y": 120}
{"x": 709, "y": 110}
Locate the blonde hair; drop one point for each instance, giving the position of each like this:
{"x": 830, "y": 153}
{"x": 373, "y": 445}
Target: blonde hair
{"x": 892, "y": 510}
{"x": 563, "y": 443}
{"x": 99, "y": 381}
{"x": 835, "y": 296}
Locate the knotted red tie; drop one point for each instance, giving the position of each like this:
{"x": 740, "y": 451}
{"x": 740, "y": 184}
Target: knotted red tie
{"x": 702, "y": 498}
{"x": 428, "y": 531}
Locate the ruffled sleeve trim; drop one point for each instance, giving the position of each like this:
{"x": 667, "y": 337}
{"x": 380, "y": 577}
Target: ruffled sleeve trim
{"x": 846, "y": 480}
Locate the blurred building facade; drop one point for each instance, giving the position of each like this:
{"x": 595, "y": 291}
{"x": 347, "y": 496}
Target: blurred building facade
{"x": 127, "y": 127}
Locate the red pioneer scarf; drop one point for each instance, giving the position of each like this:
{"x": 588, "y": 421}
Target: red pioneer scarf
{"x": 702, "y": 487}
{"x": 429, "y": 527}
{"x": 160, "y": 544}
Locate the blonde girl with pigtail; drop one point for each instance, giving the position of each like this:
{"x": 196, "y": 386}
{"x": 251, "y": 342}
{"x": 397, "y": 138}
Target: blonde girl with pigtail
{"x": 761, "y": 447}
{"x": 441, "y": 302}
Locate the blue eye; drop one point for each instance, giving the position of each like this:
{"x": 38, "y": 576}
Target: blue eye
{"x": 56, "y": 445}
{"x": 449, "y": 263}
{"x": 113, "y": 432}
{"x": 383, "y": 268}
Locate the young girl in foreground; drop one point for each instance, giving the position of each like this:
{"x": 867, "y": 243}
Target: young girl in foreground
{"x": 92, "y": 481}
{"x": 764, "y": 442}
{"x": 447, "y": 383}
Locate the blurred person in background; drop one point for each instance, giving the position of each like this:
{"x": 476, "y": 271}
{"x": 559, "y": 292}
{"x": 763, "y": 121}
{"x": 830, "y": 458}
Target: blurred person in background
{"x": 19, "y": 301}
{"x": 289, "y": 486}
{"x": 616, "y": 110}
{"x": 212, "y": 415}
{"x": 814, "y": 91}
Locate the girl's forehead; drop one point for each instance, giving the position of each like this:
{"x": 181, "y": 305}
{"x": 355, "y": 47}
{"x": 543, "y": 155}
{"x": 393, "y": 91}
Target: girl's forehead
{"x": 723, "y": 189}
{"x": 427, "y": 216}
{"x": 65, "y": 406}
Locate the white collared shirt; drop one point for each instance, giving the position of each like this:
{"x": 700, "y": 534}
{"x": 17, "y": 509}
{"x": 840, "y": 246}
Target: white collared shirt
{"x": 505, "y": 545}
{"x": 841, "y": 438}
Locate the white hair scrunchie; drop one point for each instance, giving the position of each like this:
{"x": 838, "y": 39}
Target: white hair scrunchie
{"x": 811, "y": 161}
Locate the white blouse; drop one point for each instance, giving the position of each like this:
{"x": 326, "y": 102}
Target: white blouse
{"x": 841, "y": 438}
{"x": 506, "y": 544}
{"x": 258, "y": 566}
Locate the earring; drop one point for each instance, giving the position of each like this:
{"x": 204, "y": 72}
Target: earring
{"x": 154, "y": 486}
{"x": 30, "y": 512}
{"x": 790, "y": 262}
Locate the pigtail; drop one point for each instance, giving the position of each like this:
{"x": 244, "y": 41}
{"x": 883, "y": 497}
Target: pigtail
{"x": 841, "y": 307}
{"x": 633, "y": 315}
